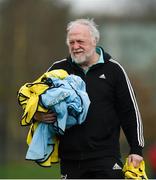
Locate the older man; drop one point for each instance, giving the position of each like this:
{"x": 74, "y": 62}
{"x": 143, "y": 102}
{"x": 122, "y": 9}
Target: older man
{"x": 92, "y": 150}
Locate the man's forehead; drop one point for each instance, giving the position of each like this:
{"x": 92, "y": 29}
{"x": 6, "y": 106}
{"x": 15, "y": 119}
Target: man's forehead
{"x": 79, "y": 36}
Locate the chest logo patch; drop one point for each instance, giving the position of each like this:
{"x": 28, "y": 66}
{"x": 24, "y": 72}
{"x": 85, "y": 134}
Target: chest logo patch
{"x": 102, "y": 76}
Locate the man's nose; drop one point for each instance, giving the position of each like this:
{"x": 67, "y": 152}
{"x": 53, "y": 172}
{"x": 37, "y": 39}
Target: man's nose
{"x": 76, "y": 45}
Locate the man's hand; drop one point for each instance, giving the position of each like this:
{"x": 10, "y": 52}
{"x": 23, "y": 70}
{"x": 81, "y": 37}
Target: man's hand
{"x": 135, "y": 159}
{"x": 49, "y": 117}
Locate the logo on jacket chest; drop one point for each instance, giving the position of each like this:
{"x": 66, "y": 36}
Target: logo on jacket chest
{"x": 102, "y": 76}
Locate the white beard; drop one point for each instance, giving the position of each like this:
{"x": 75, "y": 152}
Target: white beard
{"x": 83, "y": 58}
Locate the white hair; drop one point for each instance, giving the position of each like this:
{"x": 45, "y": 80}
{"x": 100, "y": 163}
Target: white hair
{"x": 87, "y": 22}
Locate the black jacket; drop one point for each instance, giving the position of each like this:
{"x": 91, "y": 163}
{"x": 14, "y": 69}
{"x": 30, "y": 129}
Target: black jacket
{"x": 113, "y": 105}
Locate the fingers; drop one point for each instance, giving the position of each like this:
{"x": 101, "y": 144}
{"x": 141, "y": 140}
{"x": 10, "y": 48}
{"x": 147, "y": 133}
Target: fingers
{"x": 136, "y": 163}
{"x": 49, "y": 117}
{"x": 129, "y": 160}
{"x": 135, "y": 160}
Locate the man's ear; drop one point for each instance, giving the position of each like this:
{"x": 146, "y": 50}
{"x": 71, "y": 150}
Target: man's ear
{"x": 94, "y": 42}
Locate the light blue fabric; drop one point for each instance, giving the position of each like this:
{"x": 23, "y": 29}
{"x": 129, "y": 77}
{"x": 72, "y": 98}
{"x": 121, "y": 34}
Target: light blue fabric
{"x": 42, "y": 143}
{"x": 68, "y": 98}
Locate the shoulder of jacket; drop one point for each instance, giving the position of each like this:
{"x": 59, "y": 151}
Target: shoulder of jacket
{"x": 118, "y": 68}
{"x": 60, "y": 61}
{"x": 116, "y": 64}
{"x": 57, "y": 64}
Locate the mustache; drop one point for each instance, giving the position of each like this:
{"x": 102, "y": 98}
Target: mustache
{"x": 78, "y": 50}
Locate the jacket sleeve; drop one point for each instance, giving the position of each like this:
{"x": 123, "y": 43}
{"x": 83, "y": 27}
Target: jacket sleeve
{"x": 128, "y": 110}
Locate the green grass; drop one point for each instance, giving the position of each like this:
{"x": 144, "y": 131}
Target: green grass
{"x": 29, "y": 170}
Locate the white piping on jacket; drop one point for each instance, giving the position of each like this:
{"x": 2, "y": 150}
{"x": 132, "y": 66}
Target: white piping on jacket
{"x": 56, "y": 63}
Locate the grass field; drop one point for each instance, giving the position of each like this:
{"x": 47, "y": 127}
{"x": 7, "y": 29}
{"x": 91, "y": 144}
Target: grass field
{"x": 29, "y": 171}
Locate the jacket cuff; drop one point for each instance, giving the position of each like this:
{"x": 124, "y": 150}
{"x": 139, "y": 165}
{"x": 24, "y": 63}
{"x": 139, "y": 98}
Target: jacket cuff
{"x": 136, "y": 150}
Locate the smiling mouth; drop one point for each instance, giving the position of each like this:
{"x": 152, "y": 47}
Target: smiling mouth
{"x": 78, "y": 53}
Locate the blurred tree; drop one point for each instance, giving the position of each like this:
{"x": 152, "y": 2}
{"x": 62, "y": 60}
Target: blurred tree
{"x": 32, "y": 37}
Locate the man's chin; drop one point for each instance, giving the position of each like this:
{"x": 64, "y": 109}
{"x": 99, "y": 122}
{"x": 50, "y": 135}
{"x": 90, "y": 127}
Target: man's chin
{"x": 79, "y": 61}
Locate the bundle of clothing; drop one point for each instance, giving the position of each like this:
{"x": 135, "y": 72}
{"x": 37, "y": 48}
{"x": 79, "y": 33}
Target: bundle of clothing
{"x": 61, "y": 93}
{"x": 130, "y": 172}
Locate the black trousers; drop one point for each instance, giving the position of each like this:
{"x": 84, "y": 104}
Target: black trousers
{"x": 100, "y": 168}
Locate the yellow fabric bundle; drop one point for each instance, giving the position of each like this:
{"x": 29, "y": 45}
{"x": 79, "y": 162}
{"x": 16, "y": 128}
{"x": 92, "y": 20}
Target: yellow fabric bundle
{"x": 134, "y": 173}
